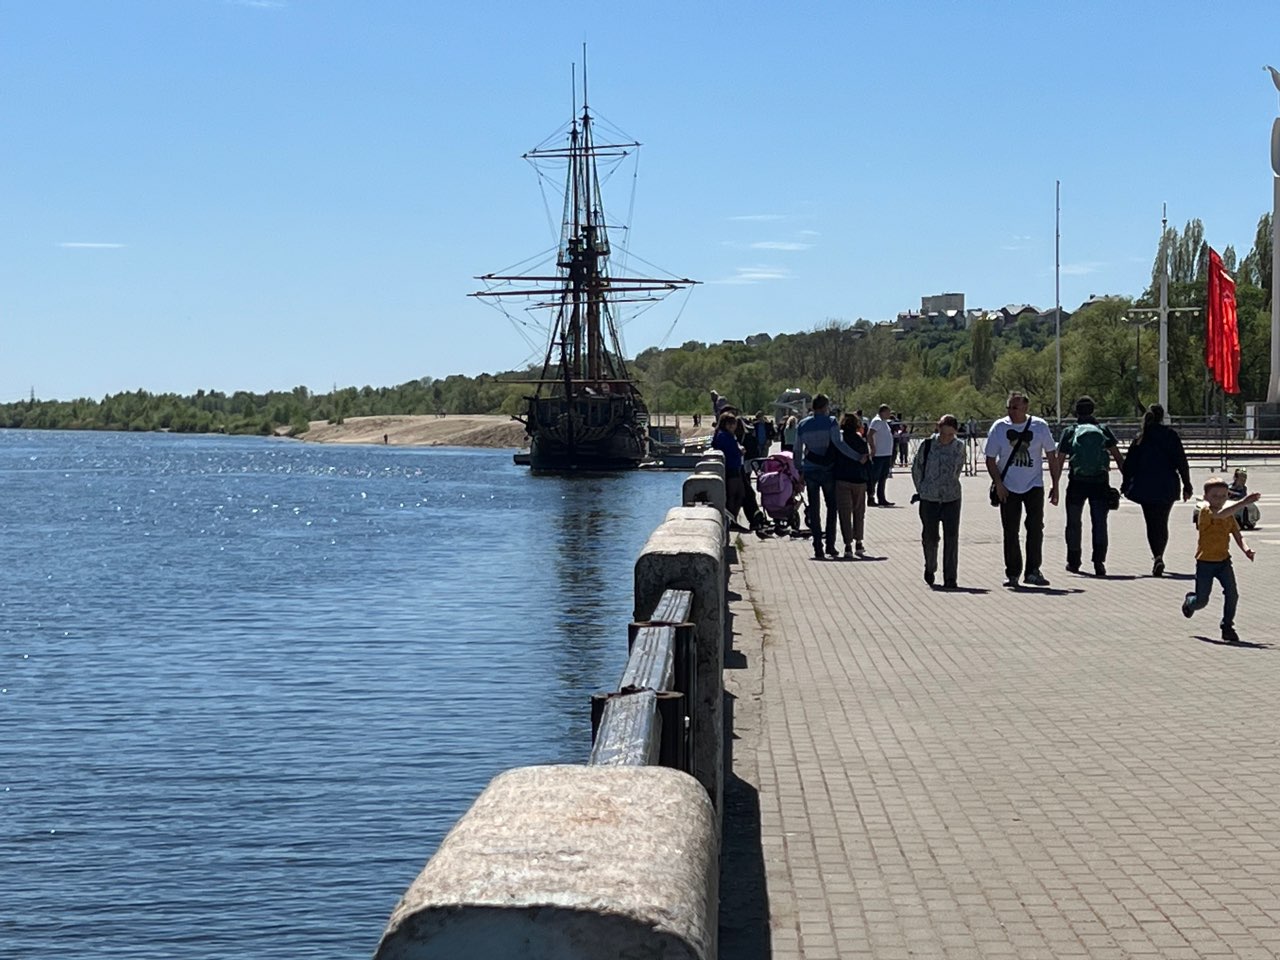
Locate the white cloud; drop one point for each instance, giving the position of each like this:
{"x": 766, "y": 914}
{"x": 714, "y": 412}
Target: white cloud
{"x": 759, "y": 216}
{"x": 756, "y": 275}
{"x": 780, "y": 245}
{"x": 81, "y": 245}
{"x": 810, "y": 233}
{"x": 1080, "y": 269}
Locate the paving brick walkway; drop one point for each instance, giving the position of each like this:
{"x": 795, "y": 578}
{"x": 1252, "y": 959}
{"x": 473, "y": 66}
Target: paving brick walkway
{"x": 1071, "y": 772}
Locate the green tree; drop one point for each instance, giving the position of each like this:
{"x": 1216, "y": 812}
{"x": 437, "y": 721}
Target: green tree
{"x": 982, "y": 353}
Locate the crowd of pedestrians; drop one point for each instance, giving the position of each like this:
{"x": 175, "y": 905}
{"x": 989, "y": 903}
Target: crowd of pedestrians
{"x": 846, "y": 463}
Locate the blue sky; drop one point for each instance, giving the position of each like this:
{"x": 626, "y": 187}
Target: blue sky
{"x": 257, "y": 194}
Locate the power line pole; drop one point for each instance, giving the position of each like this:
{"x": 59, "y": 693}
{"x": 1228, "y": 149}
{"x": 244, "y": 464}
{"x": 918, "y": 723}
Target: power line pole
{"x": 1163, "y": 390}
{"x": 1057, "y": 290}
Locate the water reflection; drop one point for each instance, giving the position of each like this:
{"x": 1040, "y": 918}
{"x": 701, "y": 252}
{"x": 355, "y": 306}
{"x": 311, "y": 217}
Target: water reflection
{"x": 588, "y": 635}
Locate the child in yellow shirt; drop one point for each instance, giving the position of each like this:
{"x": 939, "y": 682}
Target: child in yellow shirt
{"x": 1216, "y": 522}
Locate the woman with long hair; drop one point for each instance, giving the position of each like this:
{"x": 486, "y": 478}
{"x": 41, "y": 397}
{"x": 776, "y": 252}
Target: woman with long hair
{"x": 1152, "y": 468}
{"x": 851, "y": 486}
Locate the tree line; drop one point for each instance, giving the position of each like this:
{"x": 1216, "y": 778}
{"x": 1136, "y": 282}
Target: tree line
{"x": 1108, "y": 351}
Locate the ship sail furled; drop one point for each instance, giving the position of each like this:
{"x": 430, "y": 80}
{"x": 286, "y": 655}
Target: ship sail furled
{"x": 586, "y": 411}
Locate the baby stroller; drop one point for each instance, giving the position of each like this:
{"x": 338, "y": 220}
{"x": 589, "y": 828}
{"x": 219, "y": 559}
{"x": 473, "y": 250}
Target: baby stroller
{"x": 780, "y": 488}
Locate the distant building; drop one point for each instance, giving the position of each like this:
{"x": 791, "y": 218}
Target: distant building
{"x": 948, "y": 303}
{"x": 1012, "y": 311}
{"x": 1095, "y": 298}
{"x": 759, "y": 339}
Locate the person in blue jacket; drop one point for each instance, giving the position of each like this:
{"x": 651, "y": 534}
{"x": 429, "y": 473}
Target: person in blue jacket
{"x": 817, "y": 441}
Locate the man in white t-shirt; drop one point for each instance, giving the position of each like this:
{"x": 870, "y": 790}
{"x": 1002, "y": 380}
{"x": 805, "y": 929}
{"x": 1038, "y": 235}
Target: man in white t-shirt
{"x": 881, "y": 440}
{"x": 1017, "y": 447}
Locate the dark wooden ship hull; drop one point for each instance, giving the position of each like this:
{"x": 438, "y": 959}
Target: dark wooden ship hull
{"x": 587, "y": 433}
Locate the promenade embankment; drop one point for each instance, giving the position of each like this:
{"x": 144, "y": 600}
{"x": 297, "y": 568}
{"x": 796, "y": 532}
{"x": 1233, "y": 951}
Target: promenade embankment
{"x": 1071, "y": 771}
{"x": 619, "y": 858}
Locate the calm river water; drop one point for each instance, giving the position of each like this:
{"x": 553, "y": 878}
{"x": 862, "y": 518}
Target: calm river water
{"x": 247, "y": 685}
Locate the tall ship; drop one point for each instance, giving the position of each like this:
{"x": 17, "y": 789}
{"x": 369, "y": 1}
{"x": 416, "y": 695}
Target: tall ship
{"x": 585, "y": 411}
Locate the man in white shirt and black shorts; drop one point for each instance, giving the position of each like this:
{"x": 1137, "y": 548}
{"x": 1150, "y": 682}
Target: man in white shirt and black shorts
{"x": 1017, "y": 447}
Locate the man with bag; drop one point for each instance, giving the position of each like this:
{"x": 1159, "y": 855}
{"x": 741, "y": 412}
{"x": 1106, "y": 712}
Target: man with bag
{"x": 1090, "y": 446}
{"x": 1017, "y": 447}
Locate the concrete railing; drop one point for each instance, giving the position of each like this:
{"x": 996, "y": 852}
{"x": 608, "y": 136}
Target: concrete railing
{"x": 619, "y": 858}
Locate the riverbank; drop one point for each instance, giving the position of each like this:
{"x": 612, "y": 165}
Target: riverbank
{"x": 421, "y": 431}
{"x": 463, "y": 430}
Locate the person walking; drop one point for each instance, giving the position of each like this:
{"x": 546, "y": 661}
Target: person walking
{"x": 880, "y": 437}
{"x": 1090, "y": 446}
{"x": 1017, "y": 448}
{"x": 936, "y": 470}
{"x": 737, "y": 490}
{"x": 818, "y": 440}
{"x": 1216, "y": 525}
{"x": 789, "y": 434}
{"x": 904, "y": 441}
{"x": 1152, "y": 468}
{"x": 851, "y": 486}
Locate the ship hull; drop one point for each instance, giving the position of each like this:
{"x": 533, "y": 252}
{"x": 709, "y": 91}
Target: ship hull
{"x": 587, "y": 433}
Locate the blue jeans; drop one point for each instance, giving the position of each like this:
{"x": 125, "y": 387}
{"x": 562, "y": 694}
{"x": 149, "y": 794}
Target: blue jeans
{"x": 1208, "y": 571}
{"x": 820, "y": 481}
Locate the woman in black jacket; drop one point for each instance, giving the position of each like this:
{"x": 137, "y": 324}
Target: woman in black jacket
{"x": 851, "y": 485}
{"x": 1151, "y": 471}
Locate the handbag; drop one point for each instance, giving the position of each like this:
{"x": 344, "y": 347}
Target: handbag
{"x": 1024, "y": 435}
{"x": 1113, "y": 498}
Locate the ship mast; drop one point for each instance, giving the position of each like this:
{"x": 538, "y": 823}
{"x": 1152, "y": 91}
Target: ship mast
{"x": 583, "y": 334}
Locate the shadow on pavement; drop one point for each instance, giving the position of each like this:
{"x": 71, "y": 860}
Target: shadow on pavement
{"x": 744, "y": 933}
{"x": 744, "y": 930}
{"x": 1242, "y": 644}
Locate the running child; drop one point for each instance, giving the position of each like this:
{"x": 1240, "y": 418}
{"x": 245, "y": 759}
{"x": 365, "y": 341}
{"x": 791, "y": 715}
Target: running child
{"x": 1216, "y": 522}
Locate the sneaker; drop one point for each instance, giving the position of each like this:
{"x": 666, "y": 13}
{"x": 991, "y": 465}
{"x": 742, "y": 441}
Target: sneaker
{"x": 1099, "y": 569}
{"x": 1229, "y": 634}
{"x": 950, "y": 585}
{"x": 817, "y": 552}
{"x": 831, "y": 551}
{"x": 1011, "y": 583}
{"x": 1157, "y": 568}
{"x": 1188, "y": 605}
{"x": 928, "y": 577}
{"x": 1036, "y": 579}
{"x": 887, "y": 503}
{"x": 1073, "y": 568}
{"x": 848, "y": 551}
{"x": 859, "y": 549}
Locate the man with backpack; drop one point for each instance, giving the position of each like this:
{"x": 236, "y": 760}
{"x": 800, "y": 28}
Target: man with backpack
{"x": 1090, "y": 446}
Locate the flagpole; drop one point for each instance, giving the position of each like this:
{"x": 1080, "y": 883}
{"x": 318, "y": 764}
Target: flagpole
{"x": 1057, "y": 291}
{"x": 1164, "y": 311}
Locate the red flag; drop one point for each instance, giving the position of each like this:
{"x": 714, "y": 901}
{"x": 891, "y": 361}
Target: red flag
{"x": 1222, "y": 335}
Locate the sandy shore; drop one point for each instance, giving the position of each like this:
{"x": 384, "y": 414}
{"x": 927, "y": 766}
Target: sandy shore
{"x": 427, "y": 431}
{"x": 463, "y": 430}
